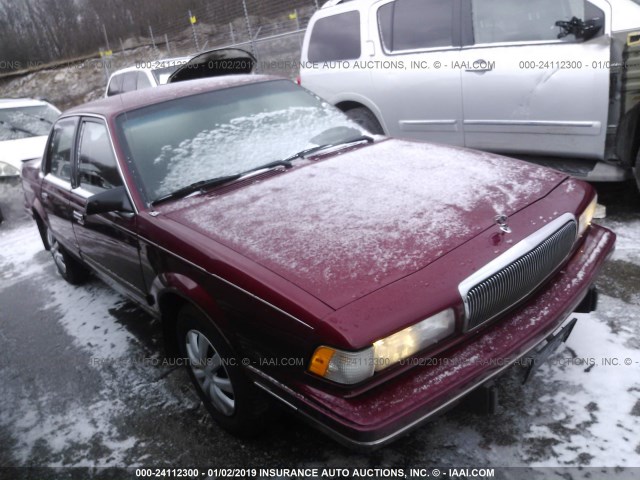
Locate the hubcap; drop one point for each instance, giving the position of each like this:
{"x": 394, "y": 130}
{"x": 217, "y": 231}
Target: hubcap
{"x": 58, "y": 258}
{"x": 206, "y": 365}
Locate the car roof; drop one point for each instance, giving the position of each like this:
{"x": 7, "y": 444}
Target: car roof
{"x": 21, "y": 102}
{"x": 126, "y": 102}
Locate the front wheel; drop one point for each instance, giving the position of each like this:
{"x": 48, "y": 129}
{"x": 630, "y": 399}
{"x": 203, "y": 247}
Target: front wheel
{"x": 68, "y": 267}
{"x": 231, "y": 399}
{"x": 366, "y": 119}
{"x": 638, "y": 170}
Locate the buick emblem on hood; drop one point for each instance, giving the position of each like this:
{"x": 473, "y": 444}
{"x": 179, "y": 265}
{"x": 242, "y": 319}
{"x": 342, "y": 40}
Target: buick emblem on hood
{"x": 503, "y": 223}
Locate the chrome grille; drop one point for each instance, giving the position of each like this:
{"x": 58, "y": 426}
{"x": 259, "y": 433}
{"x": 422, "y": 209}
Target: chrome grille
{"x": 513, "y": 282}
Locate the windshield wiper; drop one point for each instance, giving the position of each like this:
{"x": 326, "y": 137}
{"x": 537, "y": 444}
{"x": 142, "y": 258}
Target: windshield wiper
{"x": 199, "y": 186}
{"x": 214, "y": 182}
{"x": 205, "y": 184}
{"x": 37, "y": 117}
{"x": 267, "y": 166}
{"x": 309, "y": 151}
{"x": 13, "y": 128}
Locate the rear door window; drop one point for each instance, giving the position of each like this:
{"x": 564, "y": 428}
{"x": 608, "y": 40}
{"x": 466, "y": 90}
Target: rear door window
{"x": 143, "y": 81}
{"x": 129, "y": 81}
{"x": 115, "y": 85}
{"x": 97, "y": 168}
{"x": 336, "y": 38}
{"x": 416, "y": 24}
{"x": 496, "y": 21}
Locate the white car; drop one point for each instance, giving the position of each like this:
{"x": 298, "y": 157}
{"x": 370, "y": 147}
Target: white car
{"x": 153, "y": 73}
{"x": 144, "y": 74}
{"x": 24, "y": 128}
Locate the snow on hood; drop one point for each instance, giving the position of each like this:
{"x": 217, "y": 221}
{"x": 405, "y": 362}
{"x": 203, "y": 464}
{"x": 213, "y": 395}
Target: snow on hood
{"x": 343, "y": 227}
{"x": 14, "y": 152}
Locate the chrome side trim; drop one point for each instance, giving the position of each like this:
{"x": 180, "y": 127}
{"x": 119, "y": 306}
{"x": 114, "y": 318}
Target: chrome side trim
{"x": 275, "y": 395}
{"x": 507, "y": 258}
{"x": 225, "y": 281}
{"x": 110, "y": 274}
{"x": 57, "y": 181}
{"x": 428, "y": 122}
{"x": 534, "y": 123}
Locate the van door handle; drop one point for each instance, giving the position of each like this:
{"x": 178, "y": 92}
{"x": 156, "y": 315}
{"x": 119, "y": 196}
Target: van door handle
{"x": 480, "y": 66}
{"x": 79, "y": 217}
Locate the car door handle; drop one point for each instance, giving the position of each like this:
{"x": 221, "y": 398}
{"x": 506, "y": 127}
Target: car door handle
{"x": 480, "y": 66}
{"x": 45, "y": 195}
{"x": 79, "y": 217}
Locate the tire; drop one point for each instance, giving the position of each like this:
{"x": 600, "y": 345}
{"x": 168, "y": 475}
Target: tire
{"x": 231, "y": 399}
{"x": 366, "y": 119}
{"x": 637, "y": 170}
{"x": 68, "y": 267}
{"x": 42, "y": 230}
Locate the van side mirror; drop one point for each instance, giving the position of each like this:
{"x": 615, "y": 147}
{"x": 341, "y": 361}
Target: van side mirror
{"x": 582, "y": 30}
{"x": 112, "y": 200}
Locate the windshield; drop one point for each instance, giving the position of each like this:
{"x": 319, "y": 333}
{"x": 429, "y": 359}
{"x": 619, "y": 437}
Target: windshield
{"x": 225, "y": 132}
{"x": 25, "y": 122}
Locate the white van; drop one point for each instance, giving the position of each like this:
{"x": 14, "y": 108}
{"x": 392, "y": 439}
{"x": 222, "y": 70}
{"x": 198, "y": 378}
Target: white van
{"x": 552, "y": 81}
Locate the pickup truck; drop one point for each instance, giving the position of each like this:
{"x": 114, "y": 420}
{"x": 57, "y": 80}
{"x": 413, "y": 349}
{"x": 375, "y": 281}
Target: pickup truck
{"x": 357, "y": 280}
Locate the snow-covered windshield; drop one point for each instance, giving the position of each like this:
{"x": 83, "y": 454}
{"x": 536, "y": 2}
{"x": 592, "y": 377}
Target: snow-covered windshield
{"x": 177, "y": 143}
{"x": 25, "y": 122}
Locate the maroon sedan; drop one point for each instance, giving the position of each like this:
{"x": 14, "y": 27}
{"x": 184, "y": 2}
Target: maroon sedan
{"x": 363, "y": 282}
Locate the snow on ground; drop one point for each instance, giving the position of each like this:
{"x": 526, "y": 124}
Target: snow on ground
{"x": 628, "y": 242}
{"x": 85, "y": 432}
{"x": 18, "y": 248}
{"x": 598, "y": 390}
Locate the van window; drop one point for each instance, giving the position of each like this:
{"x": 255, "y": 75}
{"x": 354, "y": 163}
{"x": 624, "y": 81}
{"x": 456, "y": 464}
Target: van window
{"x": 129, "y": 81}
{"x": 335, "y": 38}
{"x": 523, "y": 20}
{"x": 143, "y": 81}
{"x": 115, "y": 85}
{"x": 416, "y": 24}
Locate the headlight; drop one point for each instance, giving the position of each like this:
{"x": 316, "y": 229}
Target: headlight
{"x": 411, "y": 340}
{"x": 353, "y": 367}
{"x": 7, "y": 170}
{"x": 587, "y": 216}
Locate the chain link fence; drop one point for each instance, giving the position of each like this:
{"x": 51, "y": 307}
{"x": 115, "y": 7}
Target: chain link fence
{"x": 273, "y": 31}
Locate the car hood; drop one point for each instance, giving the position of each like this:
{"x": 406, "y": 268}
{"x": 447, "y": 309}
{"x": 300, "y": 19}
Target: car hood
{"x": 14, "y": 152}
{"x": 345, "y": 226}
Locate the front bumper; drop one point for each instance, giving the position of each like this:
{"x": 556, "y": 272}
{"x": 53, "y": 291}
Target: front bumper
{"x": 385, "y": 412}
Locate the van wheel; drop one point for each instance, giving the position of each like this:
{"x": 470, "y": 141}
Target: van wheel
{"x": 366, "y": 119}
{"x": 231, "y": 399}
{"x": 638, "y": 170}
{"x": 68, "y": 267}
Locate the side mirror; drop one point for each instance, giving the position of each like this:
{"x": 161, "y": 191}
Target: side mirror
{"x": 592, "y": 27}
{"x": 112, "y": 200}
{"x": 582, "y": 30}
